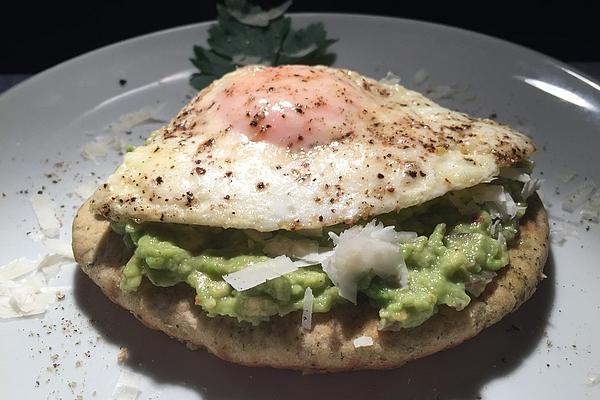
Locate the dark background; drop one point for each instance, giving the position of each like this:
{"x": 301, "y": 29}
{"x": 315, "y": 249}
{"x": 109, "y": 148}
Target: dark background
{"x": 34, "y": 36}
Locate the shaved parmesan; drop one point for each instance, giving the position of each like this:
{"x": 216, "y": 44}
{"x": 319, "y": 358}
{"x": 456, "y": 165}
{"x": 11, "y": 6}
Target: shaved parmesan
{"x": 515, "y": 174}
{"x": 530, "y": 187}
{"x": 390, "y": 79}
{"x": 578, "y": 197}
{"x": 361, "y": 249}
{"x": 307, "y": 307}
{"x": 421, "y": 76}
{"x": 588, "y": 214}
{"x": 494, "y": 227}
{"x": 255, "y": 274}
{"x": 23, "y": 285}
{"x": 60, "y": 247}
{"x": 129, "y": 121}
{"x": 591, "y": 210}
{"x": 100, "y": 146}
{"x": 498, "y": 197}
{"x": 592, "y": 379}
{"x": 44, "y": 212}
{"x": 563, "y": 230}
{"x": 567, "y": 176}
{"x": 362, "y": 341}
{"x": 85, "y": 190}
{"x": 17, "y": 268}
{"x": 441, "y": 92}
{"x": 127, "y": 387}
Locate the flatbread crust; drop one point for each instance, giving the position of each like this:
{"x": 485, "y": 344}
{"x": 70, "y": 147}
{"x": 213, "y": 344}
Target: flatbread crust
{"x": 282, "y": 343}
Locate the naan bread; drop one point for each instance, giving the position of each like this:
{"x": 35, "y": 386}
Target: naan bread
{"x": 282, "y": 343}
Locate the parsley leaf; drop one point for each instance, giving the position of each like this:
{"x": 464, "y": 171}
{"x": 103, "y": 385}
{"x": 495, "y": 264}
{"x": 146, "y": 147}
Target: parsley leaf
{"x": 245, "y": 34}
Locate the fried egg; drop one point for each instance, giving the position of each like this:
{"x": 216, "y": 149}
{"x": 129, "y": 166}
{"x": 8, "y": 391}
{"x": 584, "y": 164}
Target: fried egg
{"x": 301, "y": 147}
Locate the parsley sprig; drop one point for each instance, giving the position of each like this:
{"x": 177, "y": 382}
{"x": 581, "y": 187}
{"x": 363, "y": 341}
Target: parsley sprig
{"x": 246, "y": 34}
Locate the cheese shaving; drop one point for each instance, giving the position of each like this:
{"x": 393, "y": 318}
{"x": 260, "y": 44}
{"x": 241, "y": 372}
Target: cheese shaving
{"x": 127, "y": 387}
{"x": 129, "y": 121}
{"x": 100, "y": 146}
{"x": 441, "y": 92}
{"x": 261, "y": 272}
{"x": 85, "y": 190}
{"x": 307, "y": 307}
{"x": 60, "y": 247}
{"x": 361, "y": 249}
{"x": 390, "y": 79}
{"x": 362, "y": 341}
{"x": 44, "y": 212}
{"x": 498, "y": 197}
{"x": 530, "y": 187}
{"x": 567, "y": 176}
{"x": 17, "y": 268}
{"x": 516, "y": 174}
{"x": 592, "y": 379}
{"x": 23, "y": 285}
{"x": 578, "y": 197}
{"x": 562, "y": 230}
{"x": 421, "y": 76}
{"x": 591, "y": 210}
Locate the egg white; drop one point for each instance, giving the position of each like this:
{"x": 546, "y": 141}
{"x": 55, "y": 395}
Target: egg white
{"x": 230, "y": 159}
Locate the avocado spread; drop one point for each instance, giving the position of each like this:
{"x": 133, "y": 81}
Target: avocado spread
{"x": 461, "y": 244}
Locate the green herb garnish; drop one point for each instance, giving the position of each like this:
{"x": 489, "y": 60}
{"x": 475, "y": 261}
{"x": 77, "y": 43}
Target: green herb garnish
{"x": 246, "y": 34}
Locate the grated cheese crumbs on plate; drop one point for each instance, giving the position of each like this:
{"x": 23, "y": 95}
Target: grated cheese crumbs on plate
{"x": 390, "y": 79}
{"x": 45, "y": 214}
{"x": 579, "y": 197}
{"x": 127, "y": 387}
{"x": 60, "y": 247}
{"x": 100, "y": 146}
{"x": 24, "y": 289}
{"x": 421, "y": 76}
{"x": 362, "y": 341}
{"x": 130, "y": 120}
{"x": 567, "y": 176}
{"x": 84, "y": 190}
{"x": 307, "y": 307}
{"x": 562, "y": 230}
{"x": 441, "y": 92}
{"x": 592, "y": 379}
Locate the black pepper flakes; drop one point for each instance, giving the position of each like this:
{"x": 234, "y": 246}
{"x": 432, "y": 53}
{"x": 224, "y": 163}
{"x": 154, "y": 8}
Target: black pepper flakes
{"x": 189, "y": 198}
{"x": 159, "y": 180}
{"x": 260, "y": 186}
{"x": 380, "y": 175}
{"x": 200, "y": 171}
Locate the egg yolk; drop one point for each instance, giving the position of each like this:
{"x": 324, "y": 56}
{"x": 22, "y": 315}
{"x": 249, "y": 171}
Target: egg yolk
{"x": 291, "y": 106}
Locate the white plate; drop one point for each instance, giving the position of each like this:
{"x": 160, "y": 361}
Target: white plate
{"x": 544, "y": 350}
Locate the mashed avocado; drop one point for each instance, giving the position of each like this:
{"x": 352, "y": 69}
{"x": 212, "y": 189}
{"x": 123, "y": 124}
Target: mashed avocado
{"x": 460, "y": 246}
